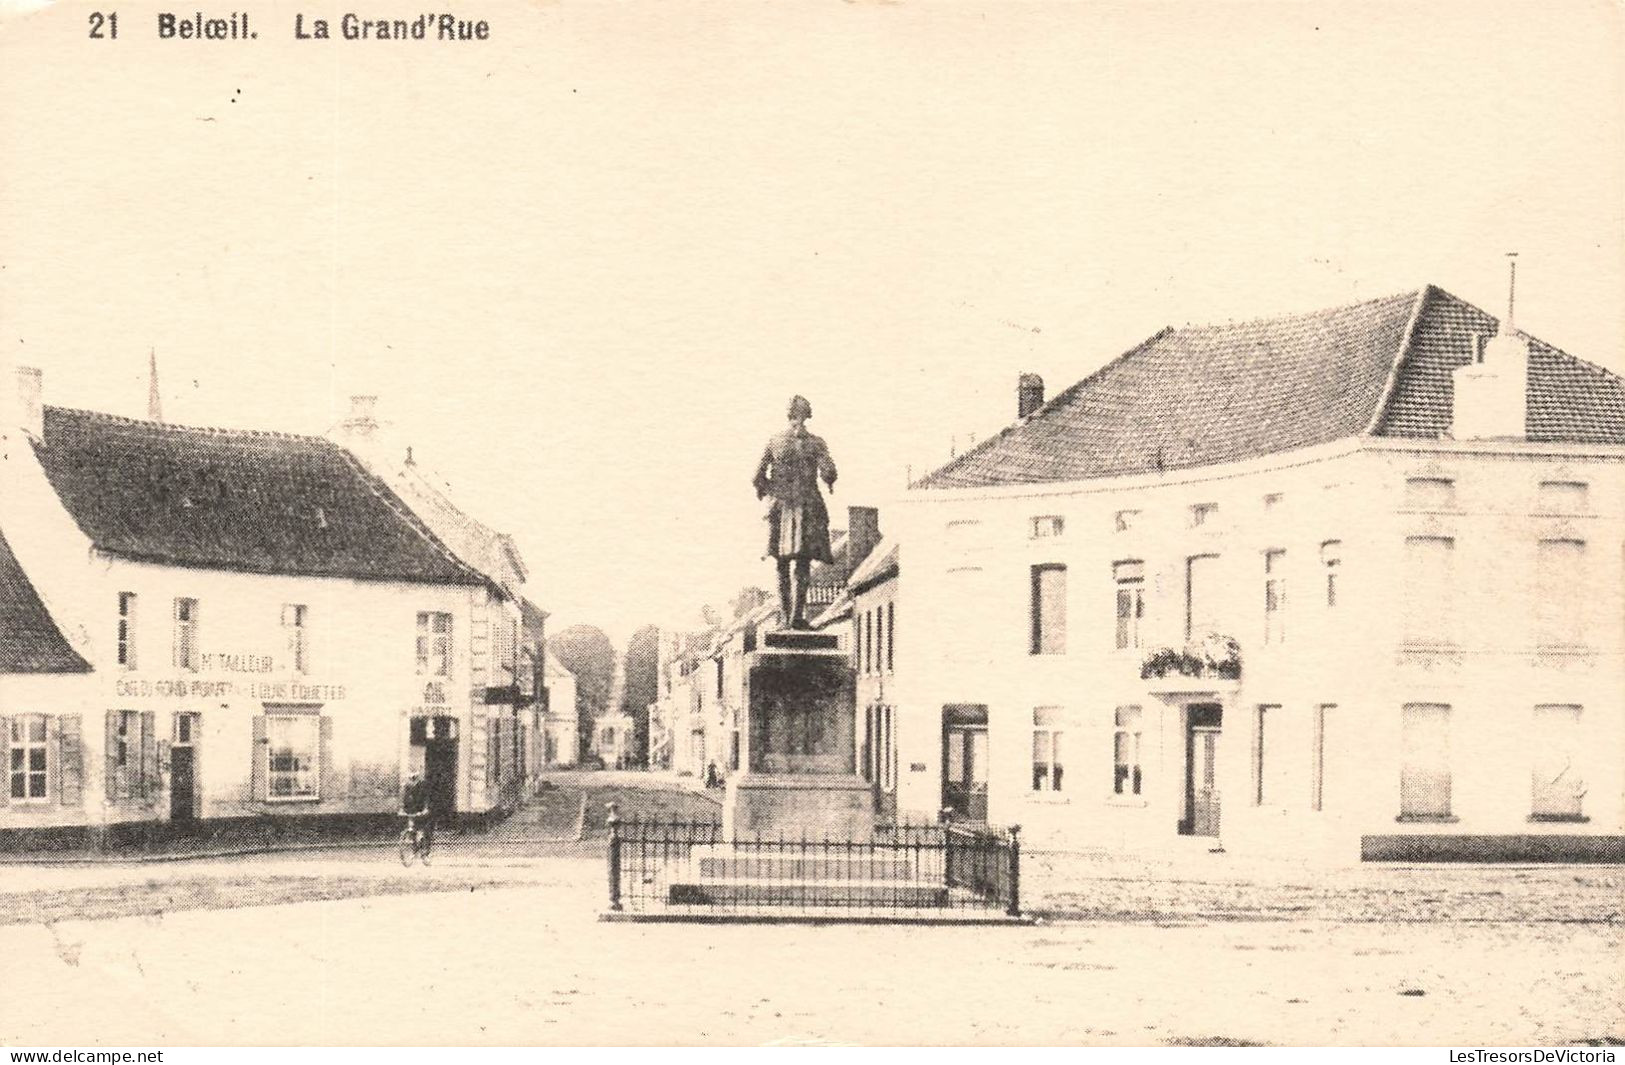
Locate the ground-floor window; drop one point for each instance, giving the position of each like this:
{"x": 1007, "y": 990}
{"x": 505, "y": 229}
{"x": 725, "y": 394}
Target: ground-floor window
{"x": 29, "y": 760}
{"x": 1317, "y": 758}
{"x": 294, "y": 754}
{"x": 1424, "y": 775}
{"x": 1047, "y": 765}
{"x": 1558, "y": 788}
{"x": 132, "y": 755}
{"x": 1126, "y": 751}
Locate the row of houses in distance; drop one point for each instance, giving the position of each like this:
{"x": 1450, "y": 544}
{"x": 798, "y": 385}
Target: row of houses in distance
{"x": 1340, "y": 584}
{"x": 217, "y": 624}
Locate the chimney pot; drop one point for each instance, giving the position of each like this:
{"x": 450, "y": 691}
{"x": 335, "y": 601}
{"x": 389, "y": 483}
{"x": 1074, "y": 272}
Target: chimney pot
{"x": 1029, "y": 394}
{"x": 31, "y": 401}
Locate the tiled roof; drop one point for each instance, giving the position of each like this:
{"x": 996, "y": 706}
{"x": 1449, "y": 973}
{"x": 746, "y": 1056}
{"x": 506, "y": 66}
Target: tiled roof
{"x": 1213, "y": 394}
{"x": 881, "y": 564}
{"x": 232, "y": 500}
{"x": 30, "y": 642}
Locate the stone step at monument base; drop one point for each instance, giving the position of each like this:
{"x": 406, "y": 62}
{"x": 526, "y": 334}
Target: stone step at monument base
{"x": 792, "y": 866}
{"x": 830, "y": 893}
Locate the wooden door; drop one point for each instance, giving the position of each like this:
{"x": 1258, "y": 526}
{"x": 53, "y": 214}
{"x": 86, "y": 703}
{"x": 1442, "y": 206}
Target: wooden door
{"x": 1203, "y": 784}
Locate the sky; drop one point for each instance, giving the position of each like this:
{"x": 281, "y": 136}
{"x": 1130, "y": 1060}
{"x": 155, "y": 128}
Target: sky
{"x": 585, "y": 263}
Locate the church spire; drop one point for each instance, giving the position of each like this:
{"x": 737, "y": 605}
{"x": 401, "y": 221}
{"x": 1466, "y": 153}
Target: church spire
{"x": 155, "y": 406}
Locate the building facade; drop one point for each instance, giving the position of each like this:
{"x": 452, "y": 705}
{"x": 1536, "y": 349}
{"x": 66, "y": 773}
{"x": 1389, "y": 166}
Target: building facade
{"x": 1343, "y": 584}
{"x": 268, "y": 628}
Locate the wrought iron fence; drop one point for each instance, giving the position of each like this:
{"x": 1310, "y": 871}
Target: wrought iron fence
{"x": 686, "y": 868}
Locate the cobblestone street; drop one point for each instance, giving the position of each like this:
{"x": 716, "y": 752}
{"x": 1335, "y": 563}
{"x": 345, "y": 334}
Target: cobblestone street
{"x": 1266, "y": 954}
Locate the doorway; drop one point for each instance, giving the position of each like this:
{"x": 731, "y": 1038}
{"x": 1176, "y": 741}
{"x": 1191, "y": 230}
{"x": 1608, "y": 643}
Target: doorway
{"x": 183, "y": 767}
{"x": 1202, "y": 729}
{"x": 436, "y": 738}
{"x": 964, "y": 761}
{"x": 879, "y": 759}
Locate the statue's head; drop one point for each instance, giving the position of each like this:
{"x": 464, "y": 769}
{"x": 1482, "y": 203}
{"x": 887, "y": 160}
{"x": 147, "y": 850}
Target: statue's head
{"x": 800, "y": 409}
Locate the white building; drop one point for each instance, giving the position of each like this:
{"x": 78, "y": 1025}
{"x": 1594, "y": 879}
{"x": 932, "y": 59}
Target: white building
{"x": 269, "y": 629}
{"x": 1343, "y": 583}
{"x": 562, "y": 729}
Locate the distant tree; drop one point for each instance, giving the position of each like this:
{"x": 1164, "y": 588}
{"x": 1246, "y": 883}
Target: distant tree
{"x": 585, "y": 651}
{"x": 748, "y": 599}
{"x": 642, "y": 686}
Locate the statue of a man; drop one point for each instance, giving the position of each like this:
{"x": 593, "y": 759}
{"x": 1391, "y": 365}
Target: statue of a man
{"x": 797, "y": 522}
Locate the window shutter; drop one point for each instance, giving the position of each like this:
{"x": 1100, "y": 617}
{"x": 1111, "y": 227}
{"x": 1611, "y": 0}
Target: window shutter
{"x": 5, "y": 761}
{"x": 148, "y": 785}
{"x": 70, "y": 760}
{"x": 329, "y": 784}
{"x": 110, "y": 759}
{"x": 258, "y": 761}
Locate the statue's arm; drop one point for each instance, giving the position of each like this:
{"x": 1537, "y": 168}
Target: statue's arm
{"x": 826, "y": 466}
{"x": 762, "y": 480}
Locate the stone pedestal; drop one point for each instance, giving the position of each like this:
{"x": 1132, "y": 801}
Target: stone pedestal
{"x": 800, "y": 761}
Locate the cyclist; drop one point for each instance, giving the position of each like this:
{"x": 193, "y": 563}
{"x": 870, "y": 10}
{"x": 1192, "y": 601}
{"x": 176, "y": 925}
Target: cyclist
{"x": 415, "y": 804}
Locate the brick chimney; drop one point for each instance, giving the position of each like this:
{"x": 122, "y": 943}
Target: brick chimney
{"x": 363, "y": 419}
{"x": 31, "y": 401}
{"x": 1029, "y": 394}
{"x": 862, "y": 534}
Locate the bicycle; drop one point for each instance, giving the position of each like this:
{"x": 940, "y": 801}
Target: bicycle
{"x": 414, "y": 842}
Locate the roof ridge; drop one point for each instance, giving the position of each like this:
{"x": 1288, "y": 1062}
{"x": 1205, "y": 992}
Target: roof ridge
{"x": 407, "y": 515}
{"x": 204, "y": 430}
{"x": 1548, "y": 345}
{"x": 1297, "y": 316}
{"x": 1044, "y": 408}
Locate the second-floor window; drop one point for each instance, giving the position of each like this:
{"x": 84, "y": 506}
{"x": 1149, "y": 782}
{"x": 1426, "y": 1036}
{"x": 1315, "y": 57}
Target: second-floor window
{"x": 1048, "y": 610}
{"x": 1429, "y": 589}
{"x": 1564, "y": 497}
{"x": 1201, "y": 597}
{"x": 296, "y": 631}
{"x": 434, "y": 644}
{"x": 1560, "y": 591}
{"x": 1130, "y": 580}
{"x": 186, "y": 621}
{"x": 1047, "y": 526}
{"x": 126, "y": 630}
{"x": 1430, "y": 493}
{"x": 1274, "y": 596}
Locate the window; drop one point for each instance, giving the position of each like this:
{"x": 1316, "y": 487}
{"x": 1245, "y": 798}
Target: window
{"x": 28, "y": 773}
{"x": 294, "y": 617}
{"x": 1557, "y": 787}
{"x": 434, "y": 644}
{"x": 880, "y": 637}
{"x": 1331, "y": 561}
{"x": 1269, "y": 768}
{"x": 1424, "y": 774}
{"x": 1130, "y": 578}
{"x": 1274, "y": 596}
{"x": 1047, "y": 526}
{"x": 1047, "y": 748}
{"x": 1428, "y": 589}
{"x": 1430, "y": 493}
{"x": 1317, "y": 759}
{"x": 1126, "y": 520}
{"x": 891, "y": 636}
{"x": 1203, "y": 514}
{"x": 1273, "y": 500}
{"x": 293, "y": 749}
{"x": 126, "y": 630}
{"x": 1049, "y": 610}
{"x": 127, "y": 737}
{"x": 186, "y": 653}
{"x": 1201, "y": 597}
{"x": 1126, "y": 752}
{"x": 1560, "y": 593}
{"x": 1564, "y": 497}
